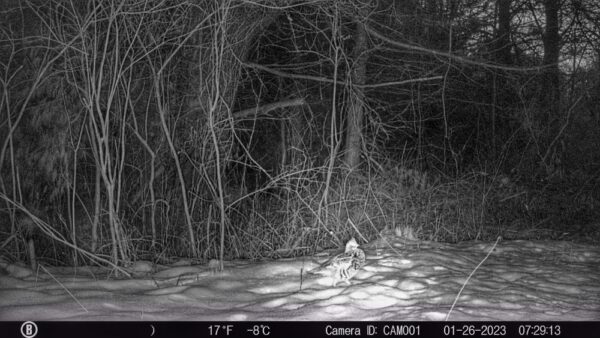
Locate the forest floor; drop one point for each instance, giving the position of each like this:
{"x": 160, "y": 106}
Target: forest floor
{"x": 402, "y": 280}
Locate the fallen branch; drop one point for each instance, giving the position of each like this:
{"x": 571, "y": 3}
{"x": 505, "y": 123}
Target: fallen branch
{"x": 263, "y": 110}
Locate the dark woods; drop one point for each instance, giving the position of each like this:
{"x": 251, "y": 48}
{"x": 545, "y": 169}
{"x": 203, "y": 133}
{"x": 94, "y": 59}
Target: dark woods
{"x": 247, "y": 129}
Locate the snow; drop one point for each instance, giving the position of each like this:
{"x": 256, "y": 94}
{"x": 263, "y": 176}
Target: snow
{"x": 402, "y": 280}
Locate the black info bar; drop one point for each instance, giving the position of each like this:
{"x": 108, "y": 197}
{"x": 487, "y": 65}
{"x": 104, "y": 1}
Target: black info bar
{"x": 308, "y": 329}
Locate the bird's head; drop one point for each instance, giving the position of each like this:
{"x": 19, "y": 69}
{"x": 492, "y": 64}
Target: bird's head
{"x": 351, "y": 245}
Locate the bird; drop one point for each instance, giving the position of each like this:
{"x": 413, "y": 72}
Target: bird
{"x": 347, "y": 264}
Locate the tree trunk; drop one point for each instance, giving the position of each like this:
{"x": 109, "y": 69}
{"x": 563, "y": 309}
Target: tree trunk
{"x": 549, "y": 106}
{"x": 503, "y": 54}
{"x": 551, "y": 80}
{"x": 356, "y": 105}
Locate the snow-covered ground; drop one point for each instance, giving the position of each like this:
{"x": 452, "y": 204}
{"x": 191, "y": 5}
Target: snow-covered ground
{"x": 402, "y": 280}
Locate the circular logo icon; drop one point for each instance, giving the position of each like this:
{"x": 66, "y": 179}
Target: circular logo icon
{"x": 29, "y": 329}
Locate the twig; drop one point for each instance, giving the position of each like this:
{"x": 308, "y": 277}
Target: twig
{"x": 471, "y": 275}
{"x": 334, "y": 81}
{"x": 64, "y": 287}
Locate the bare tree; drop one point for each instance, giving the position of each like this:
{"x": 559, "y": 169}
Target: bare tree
{"x": 356, "y": 104}
{"x": 551, "y": 40}
{"x": 503, "y": 49}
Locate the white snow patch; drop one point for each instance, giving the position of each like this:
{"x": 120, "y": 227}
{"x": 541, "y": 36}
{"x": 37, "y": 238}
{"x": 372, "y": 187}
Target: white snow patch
{"x": 402, "y": 280}
{"x": 238, "y": 317}
{"x": 378, "y": 302}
